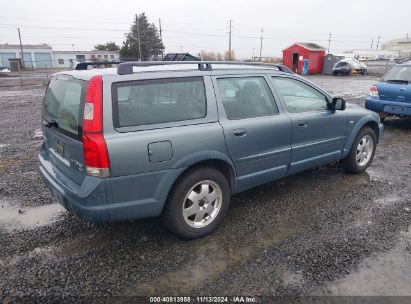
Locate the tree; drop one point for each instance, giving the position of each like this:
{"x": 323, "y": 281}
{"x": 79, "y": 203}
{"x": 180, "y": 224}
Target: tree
{"x": 208, "y": 55}
{"x": 227, "y": 55}
{"x": 151, "y": 44}
{"x": 108, "y": 46}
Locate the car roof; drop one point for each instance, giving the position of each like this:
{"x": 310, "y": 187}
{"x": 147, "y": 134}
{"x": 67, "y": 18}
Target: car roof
{"x": 405, "y": 63}
{"x": 186, "y": 66}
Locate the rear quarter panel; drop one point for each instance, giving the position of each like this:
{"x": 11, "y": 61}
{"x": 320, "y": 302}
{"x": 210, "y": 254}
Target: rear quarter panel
{"x": 137, "y": 178}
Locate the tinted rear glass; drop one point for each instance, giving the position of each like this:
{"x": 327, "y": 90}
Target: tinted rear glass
{"x": 156, "y": 101}
{"x": 63, "y": 101}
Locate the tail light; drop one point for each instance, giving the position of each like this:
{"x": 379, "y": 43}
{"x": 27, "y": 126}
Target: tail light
{"x": 374, "y": 92}
{"x": 96, "y": 157}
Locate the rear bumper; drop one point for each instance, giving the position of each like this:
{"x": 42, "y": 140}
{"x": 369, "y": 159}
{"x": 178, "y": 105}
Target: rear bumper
{"x": 88, "y": 200}
{"x": 111, "y": 199}
{"x": 389, "y": 107}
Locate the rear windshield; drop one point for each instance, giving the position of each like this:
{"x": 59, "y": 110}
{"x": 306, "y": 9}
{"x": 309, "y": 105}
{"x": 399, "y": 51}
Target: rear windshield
{"x": 63, "y": 101}
{"x": 148, "y": 102}
{"x": 399, "y": 74}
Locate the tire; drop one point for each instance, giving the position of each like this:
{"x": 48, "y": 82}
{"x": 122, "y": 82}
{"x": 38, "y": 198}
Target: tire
{"x": 356, "y": 162}
{"x": 200, "y": 184}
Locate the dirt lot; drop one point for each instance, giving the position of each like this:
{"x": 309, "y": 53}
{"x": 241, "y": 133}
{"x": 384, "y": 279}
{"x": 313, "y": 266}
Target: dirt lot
{"x": 321, "y": 232}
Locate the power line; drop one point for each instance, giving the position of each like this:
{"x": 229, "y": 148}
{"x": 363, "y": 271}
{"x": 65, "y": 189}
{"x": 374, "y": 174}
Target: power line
{"x": 163, "y": 30}
{"x": 62, "y": 28}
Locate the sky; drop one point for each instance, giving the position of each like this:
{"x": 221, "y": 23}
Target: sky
{"x": 192, "y": 26}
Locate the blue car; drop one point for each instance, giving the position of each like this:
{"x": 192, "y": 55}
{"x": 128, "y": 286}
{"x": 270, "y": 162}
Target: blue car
{"x": 392, "y": 95}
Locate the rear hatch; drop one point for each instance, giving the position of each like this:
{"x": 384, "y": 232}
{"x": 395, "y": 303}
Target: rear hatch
{"x": 62, "y": 125}
{"x": 396, "y": 85}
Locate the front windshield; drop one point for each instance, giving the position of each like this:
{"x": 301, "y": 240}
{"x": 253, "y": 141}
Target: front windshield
{"x": 399, "y": 74}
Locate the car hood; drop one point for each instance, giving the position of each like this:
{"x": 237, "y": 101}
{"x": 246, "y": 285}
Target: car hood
{"x": 349, "y": 105}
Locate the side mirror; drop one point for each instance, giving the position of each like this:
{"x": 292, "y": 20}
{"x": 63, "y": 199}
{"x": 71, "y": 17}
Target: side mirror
{"x": 338, "y": 104}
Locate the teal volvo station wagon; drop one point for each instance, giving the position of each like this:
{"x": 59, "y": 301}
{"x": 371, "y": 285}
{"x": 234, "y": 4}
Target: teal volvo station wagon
{"x": 177, "y": 140}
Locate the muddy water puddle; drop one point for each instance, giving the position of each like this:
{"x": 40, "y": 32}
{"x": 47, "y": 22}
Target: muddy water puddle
{"x": 14, "y": 218}
{"x": 210, "y": 258}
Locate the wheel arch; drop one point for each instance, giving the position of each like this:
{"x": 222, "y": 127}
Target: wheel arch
{"x": 366, "y": 121}
{"x": 213, "y": 159}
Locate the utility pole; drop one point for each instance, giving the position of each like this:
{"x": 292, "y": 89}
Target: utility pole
{"x": 138, "y": 39}
{"x": 378, "y": 41}
{"x": 181, "y": 48}
{"x": 372, "y": 42}
{"x": 329, "y": 43}
{"x": 261, "y": 42}
{"x": 161, "y": 37}
{"x": 229, "y": 41}
{"x": 21, "y": 49}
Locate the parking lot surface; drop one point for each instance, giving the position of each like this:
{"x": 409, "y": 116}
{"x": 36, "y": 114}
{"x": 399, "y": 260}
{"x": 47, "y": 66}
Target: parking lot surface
{"x": 321, "y": 232}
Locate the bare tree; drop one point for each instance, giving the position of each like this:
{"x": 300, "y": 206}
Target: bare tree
{"x": 208, "y": 55}
{"x": 227, "y": 55}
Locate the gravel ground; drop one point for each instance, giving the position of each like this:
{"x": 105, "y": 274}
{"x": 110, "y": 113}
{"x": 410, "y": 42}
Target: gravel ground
{"x": 321, "y": 232}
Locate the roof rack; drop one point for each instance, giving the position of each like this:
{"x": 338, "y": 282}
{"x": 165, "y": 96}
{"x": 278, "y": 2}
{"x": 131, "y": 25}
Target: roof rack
{"x": 402, "y": 61}
{"x": 84, "y": 65}
{"x": 125, "y": 68}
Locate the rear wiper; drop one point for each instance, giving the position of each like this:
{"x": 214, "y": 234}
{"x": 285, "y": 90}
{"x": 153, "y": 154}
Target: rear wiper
{"x": 51, "y": 123}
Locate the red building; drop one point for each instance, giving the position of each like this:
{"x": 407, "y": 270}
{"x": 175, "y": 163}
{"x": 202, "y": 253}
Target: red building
{"x": 294, "y": 55}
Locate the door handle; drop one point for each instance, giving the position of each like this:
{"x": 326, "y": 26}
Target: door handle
{"x": 303, "y": 123}
{"x": 239, "y": 132}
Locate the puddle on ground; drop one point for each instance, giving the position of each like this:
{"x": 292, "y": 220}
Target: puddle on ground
{"x": 388, "y": 199}
{"x": 384, "y": 274}
{"x": 14, "y": 218}
{"x": 209, "y": 259}
{"x": 291, "y": 278}
{"x": 4, "y": 165}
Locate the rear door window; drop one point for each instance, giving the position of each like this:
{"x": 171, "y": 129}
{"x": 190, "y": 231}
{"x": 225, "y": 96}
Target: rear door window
{"x": 148, "y": 102}
{"x": 246, "y": 97}
{"x": 63, "y": 101}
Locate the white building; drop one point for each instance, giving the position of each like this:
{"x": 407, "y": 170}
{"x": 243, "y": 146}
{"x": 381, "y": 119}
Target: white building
{"x": 34, "y": 56}
{"x": 42, "y": 56}
{"x": 401, "y": 45}
{"x": 67, "y": 59}
{"x": 367, "y": 54}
